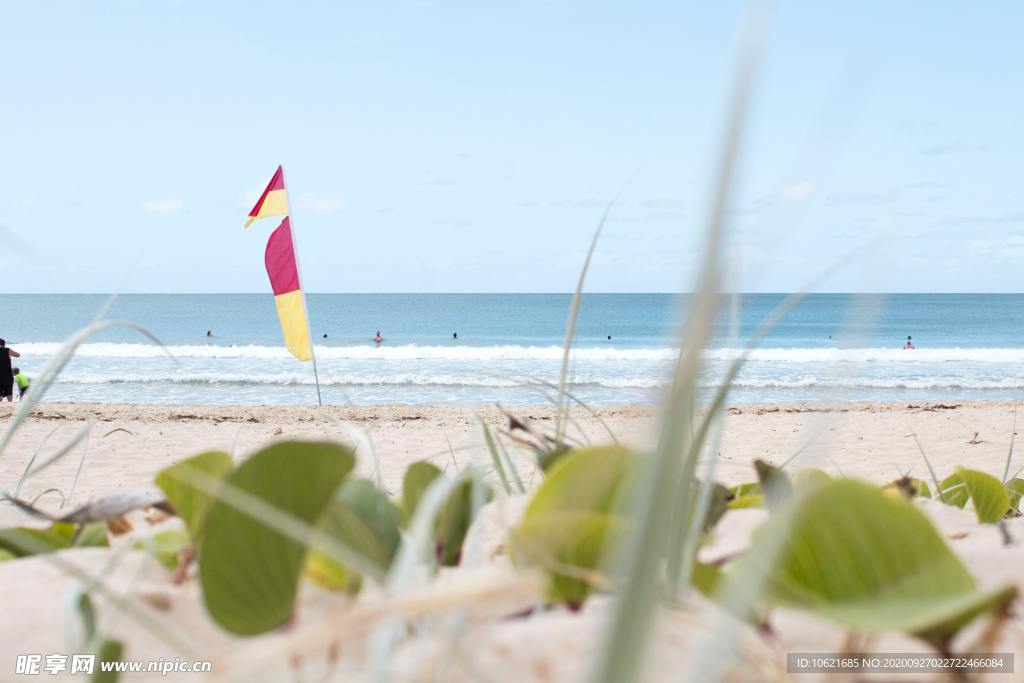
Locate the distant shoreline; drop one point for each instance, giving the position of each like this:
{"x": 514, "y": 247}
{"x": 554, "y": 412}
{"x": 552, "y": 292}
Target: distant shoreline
{"x": 302, "y": 413}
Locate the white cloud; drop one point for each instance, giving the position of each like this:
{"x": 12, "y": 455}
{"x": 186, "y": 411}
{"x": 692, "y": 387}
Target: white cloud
{"x": 310, "y": 202}
{"x": 962, "y": 146}
{"x": 797, "y": 191}
{"x": 164, "y": 205}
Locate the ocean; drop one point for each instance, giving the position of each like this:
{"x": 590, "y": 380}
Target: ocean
{"x": 831, "y": 348}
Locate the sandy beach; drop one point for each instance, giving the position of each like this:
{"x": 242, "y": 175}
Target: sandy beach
{"x": 129, "y": 444}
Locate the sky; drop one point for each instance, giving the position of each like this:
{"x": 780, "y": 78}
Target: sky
{"x": 472, "y": 147}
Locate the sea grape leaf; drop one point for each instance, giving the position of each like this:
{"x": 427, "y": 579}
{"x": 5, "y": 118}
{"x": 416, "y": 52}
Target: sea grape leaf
{"x": 774, "y": 483}
{"x": 954, "y": 491}
{"x": 418, "y": 478}
{"x": 165, "y": 546}
{"x": 988, "y": 495}
{"x": 25, "y": 541}
{"x": 809, "y": 476}
{"x": 93, "y": 534}
{"x": 186, "y": 485}
{"x": 751, "y": 500}
{"x": 1015, "y": 489}
{"x": 717, "y": 505}
{"x": 361, "y": 518}
{"x": 911, "y": 487}
{"x": 749, "y": 488}
{"x": 7, "y": 555}
{"x": 110, "y": 651}
{"x": 249, "y": 569}
{"x": 571, "y": 545}
{"x": 454, "y": 517}
{"x": 592, "y": 479}
{"x": 872, "y": 562}
{"x": 572, "y": 519}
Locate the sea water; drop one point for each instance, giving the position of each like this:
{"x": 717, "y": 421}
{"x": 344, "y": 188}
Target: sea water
{"x": 830, "y": 348}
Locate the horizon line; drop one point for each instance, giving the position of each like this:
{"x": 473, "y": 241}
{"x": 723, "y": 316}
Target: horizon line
{"x": 547, "y": 293}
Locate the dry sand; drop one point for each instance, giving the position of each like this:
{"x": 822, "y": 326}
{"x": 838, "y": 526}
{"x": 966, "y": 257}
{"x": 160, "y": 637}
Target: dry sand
{"x": 129, "y": 444}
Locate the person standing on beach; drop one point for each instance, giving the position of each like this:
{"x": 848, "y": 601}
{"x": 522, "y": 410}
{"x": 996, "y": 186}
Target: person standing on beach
{"x": 6, "y": 372}
{"x": 22, "y": 382}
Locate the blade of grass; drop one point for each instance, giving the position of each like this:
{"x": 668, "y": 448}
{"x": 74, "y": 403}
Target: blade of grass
{"x": 81, "y": 463}
{"x": 570, "y": 327}
{"x": 1013, "y": 436}
{"x": 931, "y": 471}
{"x": 511, "y": 465}
{"x": 627, "y": 638}
{"x": 495, "y": 457}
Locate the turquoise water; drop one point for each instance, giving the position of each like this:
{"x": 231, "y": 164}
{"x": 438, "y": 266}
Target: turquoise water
{"x": 968, "y": 347}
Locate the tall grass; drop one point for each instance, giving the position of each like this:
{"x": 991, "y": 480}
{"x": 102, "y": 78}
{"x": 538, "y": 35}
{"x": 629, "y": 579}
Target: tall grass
{"x": 670, "y": 473}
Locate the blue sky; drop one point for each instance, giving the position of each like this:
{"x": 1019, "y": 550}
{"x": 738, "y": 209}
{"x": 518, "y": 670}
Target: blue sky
{"x": 457, "y": 146}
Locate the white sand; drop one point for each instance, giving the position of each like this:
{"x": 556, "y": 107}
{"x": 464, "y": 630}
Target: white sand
{"x": 129, "y": 444}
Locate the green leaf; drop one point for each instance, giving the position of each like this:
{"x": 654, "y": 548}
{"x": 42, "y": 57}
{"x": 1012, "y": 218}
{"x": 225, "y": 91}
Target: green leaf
{"x": 87, "y": 613}
{"x": 165, "y": 546}
{"x": 7, "y": 555}
{"x": 988, "y": 495}
{"x": 250, "y": 569}
{"x": 954, "y": 491}
{"x": 454, "y": 517}
{"x": 453, "y": 520}
{"x": 572, "y": 546}
{"x": 809, "y": 476}
{"x": 418, "y": 478}
{"x": 717, "y": 505}
{"x": 911, "y": 487}
{"x": 91, "y": 535}
{"x": 748, "y": 489}
{"x": 590, "y": 479}
{"x": 1015, "y": 489}
{"x": 752, "y": 500}
{"x": 567, "y": 523}
{"x": 110, "y": 651}
{"x": 183, "y": 484}
{"x": 872, "y": 562}
{"x": 774, "y": 482}
{"x": 362, "y": 518}
{"x": 24, "y": 541}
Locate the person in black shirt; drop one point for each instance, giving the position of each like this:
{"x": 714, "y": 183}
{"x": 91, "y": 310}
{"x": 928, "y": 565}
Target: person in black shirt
{"x": 6, "y": 373}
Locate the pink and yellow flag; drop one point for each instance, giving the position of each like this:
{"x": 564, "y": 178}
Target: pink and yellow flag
{"x": 284, "y": 280}
{"x": 273, "y": 201}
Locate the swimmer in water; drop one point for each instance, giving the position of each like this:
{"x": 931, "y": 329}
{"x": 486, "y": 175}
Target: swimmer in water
{"x": 209, "y": 333}
{"x": 909, "y": 344}
{"x": 455, "y": 335}
{"x": 378, "y": 339}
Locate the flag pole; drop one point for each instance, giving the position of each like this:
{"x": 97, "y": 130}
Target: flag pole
{"x": 298, "y": 269}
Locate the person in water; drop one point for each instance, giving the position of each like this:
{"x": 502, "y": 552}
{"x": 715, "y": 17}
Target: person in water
{"x": 22, "y": 382}
{"x": 378, "y": 338}
{"x": 455, "y": 335}
{"x": 6, "y": 373}
{"x": 209, "y": 333}
{"x": 909, "y": 344}
{"x": 325, "y": 335}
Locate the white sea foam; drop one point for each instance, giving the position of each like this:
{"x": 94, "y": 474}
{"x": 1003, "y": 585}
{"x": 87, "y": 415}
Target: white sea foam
{"x": 361, "y": 352}
{"x": 342, "y": 380}
{"x": 539, "y": 353}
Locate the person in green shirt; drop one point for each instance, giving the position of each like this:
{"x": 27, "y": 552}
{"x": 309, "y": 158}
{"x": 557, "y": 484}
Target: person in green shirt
{"x": 22, "y": 382}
